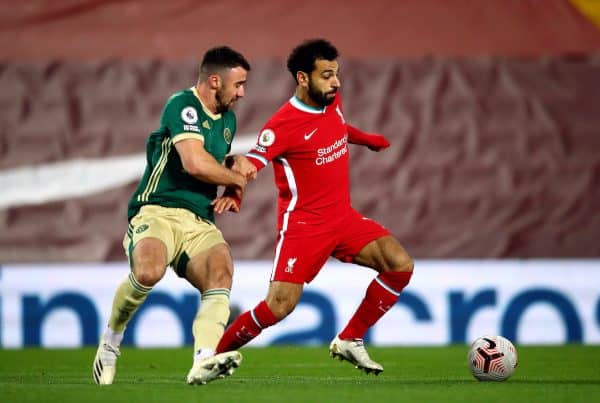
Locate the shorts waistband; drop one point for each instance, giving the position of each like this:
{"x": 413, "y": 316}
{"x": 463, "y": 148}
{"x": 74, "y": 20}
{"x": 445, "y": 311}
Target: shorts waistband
{"x": 180, "y": 210}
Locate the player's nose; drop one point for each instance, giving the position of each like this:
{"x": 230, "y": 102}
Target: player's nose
{"x": 336, "y": 83}
{"x": 240, "y": 92}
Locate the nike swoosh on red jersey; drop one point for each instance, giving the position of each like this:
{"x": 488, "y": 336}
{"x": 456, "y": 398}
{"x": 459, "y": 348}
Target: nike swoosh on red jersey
{"x": 309, "y": 135}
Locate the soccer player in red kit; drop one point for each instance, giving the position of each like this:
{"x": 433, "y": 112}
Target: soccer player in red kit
{"x": 307, "y": 142}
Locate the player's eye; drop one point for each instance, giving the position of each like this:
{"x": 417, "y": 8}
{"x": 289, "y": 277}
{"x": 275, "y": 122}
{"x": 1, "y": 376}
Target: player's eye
{"x": 329, "y": 74}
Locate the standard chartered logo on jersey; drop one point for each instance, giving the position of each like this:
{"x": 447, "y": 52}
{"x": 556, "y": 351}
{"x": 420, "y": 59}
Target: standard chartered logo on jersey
{"x": 328, "y": 154}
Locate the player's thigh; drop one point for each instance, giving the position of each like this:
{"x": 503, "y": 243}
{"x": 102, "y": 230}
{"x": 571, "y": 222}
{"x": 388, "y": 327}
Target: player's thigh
{"x": 384, "y": 254}
{"x": 150, "y": 244}
{"x": 149, "y": 261}
{"x": 354, "y": 234}
{"x": 211, "y": 268}
{"x": 205, "y": 258}
{"x": 368, "y": 243}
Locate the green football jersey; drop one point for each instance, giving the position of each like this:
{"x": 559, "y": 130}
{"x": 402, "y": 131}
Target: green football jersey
{"x": 165, "y": 182}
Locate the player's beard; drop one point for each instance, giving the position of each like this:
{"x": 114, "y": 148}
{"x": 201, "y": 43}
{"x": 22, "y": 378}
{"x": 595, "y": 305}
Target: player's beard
{"x": 222, "y": 106}
{"x": 319, "y": 97}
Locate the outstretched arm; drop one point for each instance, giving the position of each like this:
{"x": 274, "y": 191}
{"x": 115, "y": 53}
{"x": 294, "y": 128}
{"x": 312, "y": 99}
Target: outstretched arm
{"x": 374, "y": 141}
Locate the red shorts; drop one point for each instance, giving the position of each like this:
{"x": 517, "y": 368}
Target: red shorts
{"x": 303, "y": 250}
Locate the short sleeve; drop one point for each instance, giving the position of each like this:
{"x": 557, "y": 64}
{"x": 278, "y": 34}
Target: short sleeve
{"x": 181, "y": 118}
{"x": 270, "y": 144}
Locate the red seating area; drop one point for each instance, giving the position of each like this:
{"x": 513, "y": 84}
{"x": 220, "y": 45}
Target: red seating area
{"x": 490, "y": 157}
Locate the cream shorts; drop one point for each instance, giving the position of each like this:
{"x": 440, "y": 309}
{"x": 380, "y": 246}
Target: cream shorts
{"x": 184, "y": 234}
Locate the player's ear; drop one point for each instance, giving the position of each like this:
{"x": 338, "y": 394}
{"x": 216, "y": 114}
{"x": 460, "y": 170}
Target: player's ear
{"x": 302, "y": 78}
{"x": 214, "y": 81}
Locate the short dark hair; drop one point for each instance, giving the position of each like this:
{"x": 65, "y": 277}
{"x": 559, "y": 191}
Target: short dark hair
{"x": 219, "y": 58}
{"x": 303, "y": 56}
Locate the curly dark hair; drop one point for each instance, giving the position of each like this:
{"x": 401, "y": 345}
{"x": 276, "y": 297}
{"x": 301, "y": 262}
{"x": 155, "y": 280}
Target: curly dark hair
{"x": 303, "y": 56}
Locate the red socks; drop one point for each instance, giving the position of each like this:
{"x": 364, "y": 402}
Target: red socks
{"x": 381, "y": 295}
{"x": 246, "y": 327}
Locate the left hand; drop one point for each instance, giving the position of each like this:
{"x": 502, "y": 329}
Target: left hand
{"x": 377, "y": 142}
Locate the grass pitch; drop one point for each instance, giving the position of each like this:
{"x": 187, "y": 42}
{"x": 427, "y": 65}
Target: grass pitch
{"x": 301, "y": 374}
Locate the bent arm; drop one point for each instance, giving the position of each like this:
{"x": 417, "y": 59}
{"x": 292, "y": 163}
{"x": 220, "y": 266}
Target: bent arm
{"x": 231, "y": 199}
{"x": 200, "y": 164}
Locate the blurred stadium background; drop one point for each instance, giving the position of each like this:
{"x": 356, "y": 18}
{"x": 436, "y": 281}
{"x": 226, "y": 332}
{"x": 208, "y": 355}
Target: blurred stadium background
{"x": 492, "y": 182}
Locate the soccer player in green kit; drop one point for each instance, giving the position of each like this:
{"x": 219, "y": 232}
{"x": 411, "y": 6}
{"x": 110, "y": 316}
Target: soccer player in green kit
{"x": 171, "y": 218}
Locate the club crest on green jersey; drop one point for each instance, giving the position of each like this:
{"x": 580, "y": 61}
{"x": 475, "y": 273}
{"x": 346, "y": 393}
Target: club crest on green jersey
{"x": 227, "y": 135}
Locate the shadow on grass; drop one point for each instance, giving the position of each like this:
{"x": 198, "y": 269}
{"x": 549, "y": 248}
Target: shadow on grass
{"x": 291, "y": 380}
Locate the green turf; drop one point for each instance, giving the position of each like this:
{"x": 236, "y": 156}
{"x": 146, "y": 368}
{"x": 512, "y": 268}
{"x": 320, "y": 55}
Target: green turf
{"x": 299, "y": 374}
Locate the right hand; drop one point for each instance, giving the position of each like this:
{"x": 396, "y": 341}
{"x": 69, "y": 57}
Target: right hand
{"x": 244, "y": 167}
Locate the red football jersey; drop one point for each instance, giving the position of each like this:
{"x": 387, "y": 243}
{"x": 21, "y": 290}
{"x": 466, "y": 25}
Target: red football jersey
{"x": 309, "y": 151}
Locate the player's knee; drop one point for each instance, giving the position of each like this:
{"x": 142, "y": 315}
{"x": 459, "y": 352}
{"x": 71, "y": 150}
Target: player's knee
{"x": 148, "y": 274}
{"x": 401, "y": 262}
{"x": 406, "y": 264}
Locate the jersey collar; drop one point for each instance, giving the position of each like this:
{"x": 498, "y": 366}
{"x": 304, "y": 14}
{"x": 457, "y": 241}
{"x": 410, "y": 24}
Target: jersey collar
{"x": 211, "y": 115}
{"x": 296, "y": 103}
